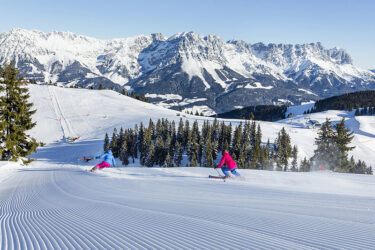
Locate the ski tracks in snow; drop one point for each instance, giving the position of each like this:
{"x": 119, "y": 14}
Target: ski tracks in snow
{"x": 64, "y": 207}
{"x": 65, "y": 124}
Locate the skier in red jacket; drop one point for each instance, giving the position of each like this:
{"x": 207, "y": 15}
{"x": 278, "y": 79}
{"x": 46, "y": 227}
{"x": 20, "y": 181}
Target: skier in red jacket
{"x": 231, "y": 165}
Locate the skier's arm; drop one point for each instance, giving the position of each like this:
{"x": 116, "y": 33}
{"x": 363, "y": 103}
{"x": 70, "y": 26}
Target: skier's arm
{"x": 221, "y": 162}
{"x": 100, "y": 156}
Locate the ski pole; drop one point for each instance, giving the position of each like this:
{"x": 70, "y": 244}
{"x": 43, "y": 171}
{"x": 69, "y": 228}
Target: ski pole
{"x": 219, "y": 174}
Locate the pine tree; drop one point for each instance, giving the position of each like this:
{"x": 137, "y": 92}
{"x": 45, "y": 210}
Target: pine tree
{"x": 114, "y": 143}
{"x": 100, "y": 87}
{"x": 159, "y": 151}
{"x": 146, "y": 142}
{"x": 134, "y": 145}
{"x": 193, "y": 151}
{"x": 327, "y": 149}
{"x": 15, "y": 116}
{"x": 107, "y": 144}
{"x": 186, "y": 135}
{"x": 208, "y": 161}
{"x": 236, "y": 144}
{"x": 283, "y": 149}
{"x": 294, "y": 161}
{"x": 180, "y": 132}
{"x": 140, "y": 137}
{"x": 267, "y": 156}
{"x": 257, "y": 150}
{"x": 200, "y": 152}
{"x": 305, "y": 165}
{"x": 343, "y": 138}
{"x": 178, "y": 154}
{"x": 123, "y": 155}
{"x": 169, "y": 163}
{"x": 150, "y": 158}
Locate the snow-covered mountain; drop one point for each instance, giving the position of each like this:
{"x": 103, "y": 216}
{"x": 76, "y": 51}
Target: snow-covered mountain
{"x": 187, "y": 70}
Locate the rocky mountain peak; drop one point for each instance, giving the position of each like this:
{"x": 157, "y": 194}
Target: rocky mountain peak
{"x": 200, "y": 72}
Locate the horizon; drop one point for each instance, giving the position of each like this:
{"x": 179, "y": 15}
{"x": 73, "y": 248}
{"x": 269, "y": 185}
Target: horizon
{"x": 342, "y": 24}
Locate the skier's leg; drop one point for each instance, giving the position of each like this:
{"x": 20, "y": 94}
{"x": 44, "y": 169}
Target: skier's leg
{"x": 100, "y": 166}
{"x": 225, "y": 171}
{"x": 103, "y": 165}
{"x": 235, "y": 172}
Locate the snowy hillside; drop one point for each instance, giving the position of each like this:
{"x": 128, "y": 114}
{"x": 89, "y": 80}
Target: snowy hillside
{"x": 67, "y": 112}
{"x": 55, "y": 203}
{"x": 187, "y": 70}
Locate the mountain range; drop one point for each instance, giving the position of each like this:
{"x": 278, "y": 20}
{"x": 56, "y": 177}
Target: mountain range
{"x": 187, "y": 70}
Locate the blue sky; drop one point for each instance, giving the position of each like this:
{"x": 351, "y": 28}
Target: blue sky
{"x": 347, "y": 24}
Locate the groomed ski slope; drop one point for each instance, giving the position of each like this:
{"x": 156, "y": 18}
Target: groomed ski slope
{"x": 56, "y": 203}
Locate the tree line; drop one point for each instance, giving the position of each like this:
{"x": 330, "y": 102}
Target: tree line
{"x": 167, "y": 144}
{"x": 365, "y": 111}
{"x": 260, "y": 112}
{"x": 349, "y": 101}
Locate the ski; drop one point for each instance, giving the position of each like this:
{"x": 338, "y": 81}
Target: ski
{"x": 217, "y": 177}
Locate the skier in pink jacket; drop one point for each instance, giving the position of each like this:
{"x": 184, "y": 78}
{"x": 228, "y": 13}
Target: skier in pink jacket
{"x": 231, "y": 165}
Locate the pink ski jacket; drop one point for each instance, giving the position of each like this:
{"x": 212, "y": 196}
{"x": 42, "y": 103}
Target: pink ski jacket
{"x": 228, "y": 161}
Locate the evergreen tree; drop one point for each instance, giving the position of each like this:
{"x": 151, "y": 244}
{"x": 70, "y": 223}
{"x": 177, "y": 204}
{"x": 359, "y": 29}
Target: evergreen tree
{"x": 305, "y": 165}
{"x": 187, "y": 135}
{"x": 294, "y": 161}
{"x": 114, "y": 143}
{"x": 326, "y": 151}
{"x": 100, "y": 87}
{"x": 140, "y": 137}
{"x": 200, "y": 152}
{"x": 15, "y": 116}
{"x": 134, "y": 145}
{"x": 149, "y": 161}
{"x": 180, "y": 132}
{"x": 146, "y": 146}
{"x": 159, "y": 151}
{"x": 215, "y": 151}
{"x": 343, "y": 138}
{"x": 208, "y": 161}
{"x": 169, "y": 163}
{"x": 236, "y": 144}
{"x": 107, "y": 144}
{"x": 178, "y": 154}
{"x": 123, "y": 155}
{"x": 283, "y": 149}
{"x": 267, "y": 156}
{"x": 193, "y": 151}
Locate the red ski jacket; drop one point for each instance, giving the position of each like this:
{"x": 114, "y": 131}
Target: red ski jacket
{"x": 228, "y": 161}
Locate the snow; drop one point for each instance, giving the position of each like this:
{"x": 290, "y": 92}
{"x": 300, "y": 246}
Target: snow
{"x": 258, "y": 85}
{"x": 55, "y": 203}
{"x": 190, "y": 101}
{"x": 166, "y": 96}
{"x": 207, "y": 111}
{"x": 308, "y": 92}
{"x": 299, "y": 109}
